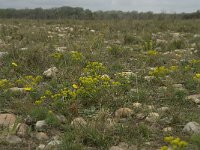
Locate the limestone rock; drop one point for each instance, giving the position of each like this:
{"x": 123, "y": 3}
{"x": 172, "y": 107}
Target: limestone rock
{"x": 53, "y": 145}
{"x": 179, "y": 87}
{"x": 41, "y": 125}
{"x": 123, "y": 112}
{"x": 40, "y": 147}
{"x": 152, "y": 117}
{"x": 7, "y": 120}
{"x": 123, "y": 146}
{"x": 13, "y": 139}
{"x": 79, "y": 121}
{"x": 168, "y": 129}
{"x": 195, "y": 98}
{"x": 137, "y": 105}
{"x": 51, "y": 72}
{"x": 22, "y": 130}
{"x": 192, "y": 127}
{"x": 163, "y": 109}
{"x": 2, "y": 54}
{"x": 61, "y": 118}
{"x": 17, "y": 90}
{"x": 41, "y": 136}
{"x": 140, "y": 116}
{"x": 116, "y": 148}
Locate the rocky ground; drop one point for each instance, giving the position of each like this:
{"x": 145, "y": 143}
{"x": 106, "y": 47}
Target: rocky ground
{"x": 99, "y": 85}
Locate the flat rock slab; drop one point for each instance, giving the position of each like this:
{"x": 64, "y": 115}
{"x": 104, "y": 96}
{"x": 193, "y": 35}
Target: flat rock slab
{"x": 3, "y": 54}
{"x": 195, "y": 98}
{"x": 7, "y": 120}
{"x": 13, "y": 139}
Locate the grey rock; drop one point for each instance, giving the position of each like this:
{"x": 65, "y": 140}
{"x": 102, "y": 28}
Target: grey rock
{"x": 51, "y": 72}
{"x": 123, "y": 146}
{"x": 179, "y": 87}
{"x": 61, "y": 118}
{"x": 123, "y": 112}
{"x": 40, "y": 147}
{"x": 168, "y": 129}
{"x": 163, "y": 109}
{"x": 152, "y": 117}
{"x": 7, "y": 120}
{"x": 53, "y": 145}
{"x": 17, "y": 90}
{"x": 41, "y": 125}
{"x": 192, "y": 127}
{"x": 2, "y": 54}
{"x": 13, "y": 139}
{"x": 137, "y": 105}
{"x": 195, "y": 98}
{"x": 41, "y": 136}
{"x": 22, "y": 130}
{"x": 79, "y": 121}
{"x": 116, "y": 148}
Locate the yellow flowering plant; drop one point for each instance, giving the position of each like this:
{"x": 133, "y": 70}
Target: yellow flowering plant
{"x": 94, "y": 69}
{"x": 197, "y": 76}
{"x": 4, "y": 84}
{"x": 152, "y": 53}
{"x": 76, "y": 56}
{"x": 159, "y": 71}
{"x": 174, "y": 143}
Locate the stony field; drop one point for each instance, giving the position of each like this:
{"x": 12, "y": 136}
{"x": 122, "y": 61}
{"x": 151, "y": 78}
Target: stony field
{"x": 100, "y": 85}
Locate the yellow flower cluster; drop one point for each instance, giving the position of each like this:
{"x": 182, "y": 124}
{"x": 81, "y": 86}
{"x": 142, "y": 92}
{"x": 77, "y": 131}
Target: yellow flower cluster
{"x": 40, "y": 100}
{"x": 94, "y": 68}
{"x": 197, "y": 76}
{"x": 57, "y": 55}
{"x": 162, "y": 71}
{"x": 174, "y": 143}
{"x": 152, "y": 52}
{"x": 4, "y": 83}
{"x": 28, "y": 82}
{"x": 194, "y": 61}
{"x": 76, "y": 56}
{"x": 64, "y": 94}
{"x": 159, "y": 71}
{"x": 14, "y": 64}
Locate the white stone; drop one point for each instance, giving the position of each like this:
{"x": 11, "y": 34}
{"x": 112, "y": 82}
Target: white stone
{"x": 195, "y": 98}
{"x": 22, "y": 130}
{"x": 61, "y": 49}
{"x": 79, "y": 121}
{"x": 140, "y": 116}
{"x": 41, "y": 136}
{"x": 41, "y": 125}
{"x": 17, "y": 90}
{"x": 2, "y": 54}
{"x": 93, "y": 31}
{"x": 178, "y": 87}
{"x": 116, "y": 148}
{"x": 163, "y": 109}
{"x": 192, "y": 127}
{"x": 137, "y": 105}
{"x": 126, "y": 74}
{"x": 149, "y": 78}
{"x": 52, "y": 145}
{"x": 152, "y": 117}
{"x": 51, "y": 72}
{"x": 168, "y": 129}
{"x": 13, "y": 139}
{"x": 40, "y": 147}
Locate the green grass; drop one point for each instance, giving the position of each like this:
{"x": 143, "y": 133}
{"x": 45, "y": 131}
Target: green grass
{"x": 120, "y": 46}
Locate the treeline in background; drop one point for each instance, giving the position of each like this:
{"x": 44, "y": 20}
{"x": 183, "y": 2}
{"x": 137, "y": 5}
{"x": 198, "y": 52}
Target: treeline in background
{"x": 80, "y": 13}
